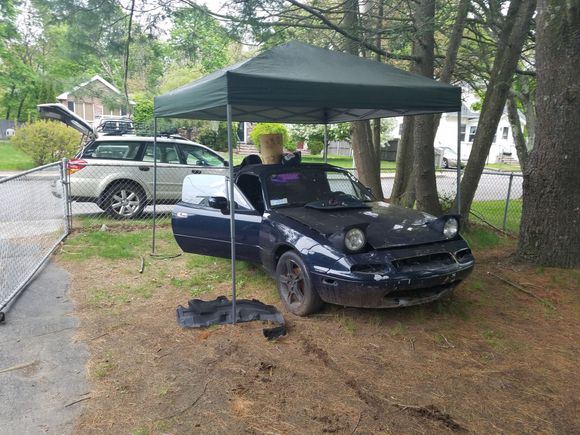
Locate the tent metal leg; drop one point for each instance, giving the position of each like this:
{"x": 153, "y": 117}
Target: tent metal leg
{"x": 325, "y": 143}
{"x": 154, "y": 183}
{"x": 458, "y": 196}
{"x": 232, "y": 209}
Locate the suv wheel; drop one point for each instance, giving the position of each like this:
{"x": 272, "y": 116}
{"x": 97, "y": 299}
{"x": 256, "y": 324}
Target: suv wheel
{"x": 124, "y": 201}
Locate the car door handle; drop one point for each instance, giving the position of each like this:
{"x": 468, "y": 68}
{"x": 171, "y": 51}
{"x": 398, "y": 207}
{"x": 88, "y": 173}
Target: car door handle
{"x": 143, "y": 168}
{"x": 195, "y": 171}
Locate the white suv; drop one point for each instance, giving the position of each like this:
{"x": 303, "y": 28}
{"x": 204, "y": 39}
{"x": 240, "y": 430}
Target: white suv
{"x": 117, "y": 172}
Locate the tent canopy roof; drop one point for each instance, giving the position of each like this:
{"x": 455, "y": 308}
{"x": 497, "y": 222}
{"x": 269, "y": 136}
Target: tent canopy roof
{"x": 300, "y": 83}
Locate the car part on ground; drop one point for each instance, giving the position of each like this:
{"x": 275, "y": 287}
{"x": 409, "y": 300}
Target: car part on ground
{"x": 201, "y": 314}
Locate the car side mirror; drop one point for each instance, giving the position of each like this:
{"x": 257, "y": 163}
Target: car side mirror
{"x": 219, "y": 203}
{"x": 226, "y": 163}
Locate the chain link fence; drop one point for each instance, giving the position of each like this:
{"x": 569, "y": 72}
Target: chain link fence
{"x": 124, "y": 192}
{"x": 33, "y": 221}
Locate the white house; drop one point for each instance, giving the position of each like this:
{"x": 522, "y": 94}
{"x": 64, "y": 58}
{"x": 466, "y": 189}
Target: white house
{"x": 503, "y": 147}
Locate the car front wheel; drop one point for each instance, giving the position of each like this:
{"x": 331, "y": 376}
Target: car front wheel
{"x": 295, "y": 287}
{"x": 124, "y": 201}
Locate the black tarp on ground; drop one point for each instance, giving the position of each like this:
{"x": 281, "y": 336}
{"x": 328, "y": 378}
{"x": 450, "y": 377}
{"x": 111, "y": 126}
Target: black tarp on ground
{"x": 300, "y": 83}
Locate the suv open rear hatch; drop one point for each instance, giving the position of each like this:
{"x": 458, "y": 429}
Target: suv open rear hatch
{"x": 63, "y": 114}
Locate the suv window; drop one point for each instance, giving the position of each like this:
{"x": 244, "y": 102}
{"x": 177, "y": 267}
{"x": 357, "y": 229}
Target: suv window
{"x": 198, "y": 156}
{"x": 113, "y": 150}
{"x": 166, "y": 153}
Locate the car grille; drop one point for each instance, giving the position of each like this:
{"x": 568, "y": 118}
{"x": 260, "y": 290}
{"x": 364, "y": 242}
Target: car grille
{"x": 423, "y": 261}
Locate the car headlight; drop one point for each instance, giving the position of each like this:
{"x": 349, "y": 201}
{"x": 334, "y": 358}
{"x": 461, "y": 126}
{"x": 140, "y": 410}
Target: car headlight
{"x": 354, "y": 239}
{"x": 450, "y": 228}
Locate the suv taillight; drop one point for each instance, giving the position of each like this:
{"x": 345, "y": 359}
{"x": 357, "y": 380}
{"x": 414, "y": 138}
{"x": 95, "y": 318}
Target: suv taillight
{"x": 75, "y": 166}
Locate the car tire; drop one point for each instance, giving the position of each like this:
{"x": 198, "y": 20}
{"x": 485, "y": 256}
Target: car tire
{"x": 123, "y": 200}
{"x": 295, "y": 286}
{"x": 445, "y": 164}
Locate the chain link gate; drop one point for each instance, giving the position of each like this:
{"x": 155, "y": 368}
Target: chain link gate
{"x": 34, "y": 219}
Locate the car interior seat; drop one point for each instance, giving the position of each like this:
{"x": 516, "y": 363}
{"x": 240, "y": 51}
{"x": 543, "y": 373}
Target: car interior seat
{"x": 252, "y": 189}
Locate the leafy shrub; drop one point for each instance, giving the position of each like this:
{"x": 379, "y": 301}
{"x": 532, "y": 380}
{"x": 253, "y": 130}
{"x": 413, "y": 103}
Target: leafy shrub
{"x": 262, "y": 128}
{"x": 315, "y": 144}
{"x": 47, "y": 141}
{"x": 446, "y": 200}
{"x": 143, "y": 110}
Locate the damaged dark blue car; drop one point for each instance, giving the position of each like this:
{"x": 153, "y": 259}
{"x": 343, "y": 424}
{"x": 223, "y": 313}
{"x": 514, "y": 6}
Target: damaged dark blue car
{"x": 323, "y": 236}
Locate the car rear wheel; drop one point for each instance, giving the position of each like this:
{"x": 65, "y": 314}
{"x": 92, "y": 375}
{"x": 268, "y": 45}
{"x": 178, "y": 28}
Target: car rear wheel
{"x": 124, "y": 201}
{"x": 445, "y": 164}
{"x": 295, "y": 287}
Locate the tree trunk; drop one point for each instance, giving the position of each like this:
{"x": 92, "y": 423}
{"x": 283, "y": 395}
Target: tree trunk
{"x": 365, "y": 156}
{"x": 452, "y": 50}
{"x": 517, "y": 133}
{"x": 9, "y": 101}
{"x": 550, "y": 227}
{"x": 20, "y": 105}
{"x": 424, "y": 156}
{"x": 127, "y": 48}
{"x": 363, "y": 151}
{"x": 403, "y": 192}
{"x": 510, "y": 45}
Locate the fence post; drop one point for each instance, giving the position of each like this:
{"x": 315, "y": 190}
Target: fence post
{"x": 66, "y": 194}
{"x": 507, "y": 201}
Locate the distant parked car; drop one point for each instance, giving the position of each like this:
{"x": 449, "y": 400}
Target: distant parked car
{"x": 117, "y": 172}
{"x": 324, "y": 237}
{"x": 449, "y": 159}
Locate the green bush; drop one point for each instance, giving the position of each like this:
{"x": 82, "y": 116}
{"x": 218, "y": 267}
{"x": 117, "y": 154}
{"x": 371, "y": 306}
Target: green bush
{"x": 47, "y": 141}
{"x": 262, "y": 128}
{"x": 315, "y": 145}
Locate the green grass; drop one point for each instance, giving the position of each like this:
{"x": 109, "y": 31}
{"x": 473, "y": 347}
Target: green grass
{"x": 504, "y": 167}
{"x": 340, "y": 161}
{"x": 493, "y": 212}
{"x": 12, "y": 159}
{"x": 113, "y": 245}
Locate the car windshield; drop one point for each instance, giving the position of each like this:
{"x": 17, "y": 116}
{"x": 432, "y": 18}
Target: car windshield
{"x": 316, "y": 187}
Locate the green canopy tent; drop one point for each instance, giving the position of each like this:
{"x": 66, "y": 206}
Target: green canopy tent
{"x": 300, "y": 83}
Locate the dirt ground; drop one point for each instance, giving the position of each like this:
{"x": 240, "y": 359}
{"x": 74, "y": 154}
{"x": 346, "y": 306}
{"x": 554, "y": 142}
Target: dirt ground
{"x": 492, "y": 359}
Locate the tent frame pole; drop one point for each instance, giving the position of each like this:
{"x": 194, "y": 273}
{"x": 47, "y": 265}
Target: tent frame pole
{"x": 232, "y": 205}
{"x": 154, "y": 183}
{"x": 325, "y": 142}
{"x": 458, "y": 196}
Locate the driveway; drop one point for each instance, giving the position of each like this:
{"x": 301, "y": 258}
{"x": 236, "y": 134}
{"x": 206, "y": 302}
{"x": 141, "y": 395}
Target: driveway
{"x": 42, "y": 368}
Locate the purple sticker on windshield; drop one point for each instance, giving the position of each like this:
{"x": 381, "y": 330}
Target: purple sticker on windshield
{"x": 285, "y": 178}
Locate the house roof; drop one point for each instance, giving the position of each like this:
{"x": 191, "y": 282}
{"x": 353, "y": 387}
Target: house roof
{"x": 96, "y": 78}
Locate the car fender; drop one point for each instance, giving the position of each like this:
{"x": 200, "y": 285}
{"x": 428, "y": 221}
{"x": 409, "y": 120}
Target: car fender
{"x": 112, "y": 178}
{"x": 280, "y": 232}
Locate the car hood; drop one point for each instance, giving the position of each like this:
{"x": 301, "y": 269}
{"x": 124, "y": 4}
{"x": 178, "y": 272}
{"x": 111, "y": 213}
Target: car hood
{"x": 386, "y": 225}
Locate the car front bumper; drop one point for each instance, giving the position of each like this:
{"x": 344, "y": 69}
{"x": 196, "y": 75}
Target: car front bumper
{"x": 414, "y": 285}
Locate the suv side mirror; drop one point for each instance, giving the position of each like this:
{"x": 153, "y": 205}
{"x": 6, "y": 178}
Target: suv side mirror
{"x": 219, "y": 203}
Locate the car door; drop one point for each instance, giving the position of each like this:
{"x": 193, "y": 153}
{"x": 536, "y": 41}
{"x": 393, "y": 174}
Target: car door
{"x": 169, "y": 170}
{"x": 200, "y": 229}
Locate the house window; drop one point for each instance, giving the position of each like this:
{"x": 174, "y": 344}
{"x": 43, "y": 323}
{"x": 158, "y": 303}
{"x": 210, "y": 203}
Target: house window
{"x": 71, "y": 105}
{"x": 462, "y": 131}
{"x": 472, "y": 131}
{"x": 504, "y": 134}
